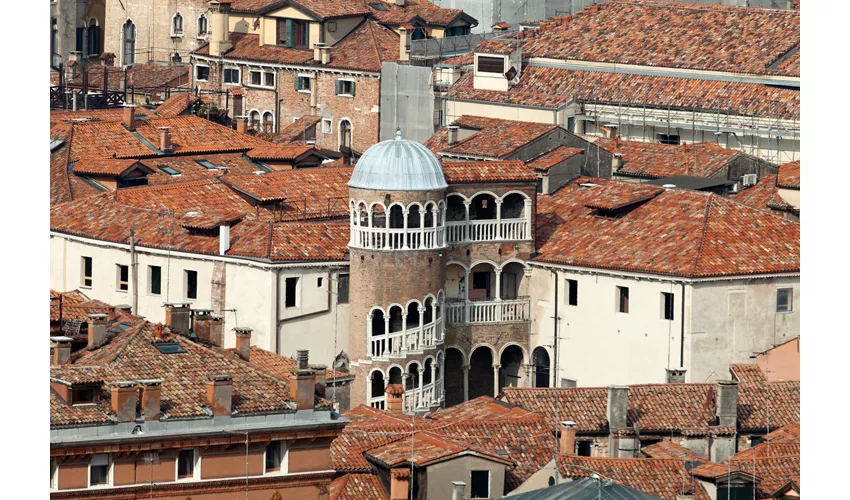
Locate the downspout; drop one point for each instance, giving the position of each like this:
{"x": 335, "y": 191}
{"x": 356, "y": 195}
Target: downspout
{"x": 682, "y": 340}
{"x": 135, "y": 270}
{"x": 277, "y": 322}
{"x": 555, "y": 342}
{"x": 276, "y": 104}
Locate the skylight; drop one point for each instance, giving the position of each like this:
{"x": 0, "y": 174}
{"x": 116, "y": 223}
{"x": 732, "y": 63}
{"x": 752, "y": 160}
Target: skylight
{"x": 206, "y": 164}
{"x": 377, "y": 6}
{"x": 169, "y": 347}
{"x": 168, "y": 170}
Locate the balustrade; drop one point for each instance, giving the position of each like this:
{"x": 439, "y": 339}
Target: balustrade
{"x": 490, "y": 311}
{"x": 487, "y": 230}
{"x": 412, "y": 339}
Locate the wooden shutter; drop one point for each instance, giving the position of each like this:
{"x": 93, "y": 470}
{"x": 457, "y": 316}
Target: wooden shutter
{"x": 281, "y": 31}
{"x": 290, "y": 33}
{"x": 80, "y": 34}
{"x": 352, "y": 88}
{"x": 338, "y": 87}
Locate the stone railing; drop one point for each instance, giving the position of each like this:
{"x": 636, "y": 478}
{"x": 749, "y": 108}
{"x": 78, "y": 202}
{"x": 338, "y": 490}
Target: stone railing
{"x": 407, "y": 340}
{"x": 382, "y": 238}
{"x": 490, "y": 311}
{"x": 488, "y": 230}
{"x": 379, "y": 403}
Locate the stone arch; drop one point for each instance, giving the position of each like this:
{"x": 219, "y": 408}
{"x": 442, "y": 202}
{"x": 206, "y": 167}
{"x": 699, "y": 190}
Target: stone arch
{"x": 455, "y": 207}
{"x": 394, "y": 373}
{"x": 453, "y": 376}
{"x": 428, "y": 315}
{"x": 483, "y": 206}
{"x": 482, "y": 285}
{"x": 513, "y": 280}
{"x": 481, "y": 360}
{"x": 428, "y": 364}
{"x": 396, "y": 213}
{"x": 396, "y": 317}
{"x": 513, "y": 205}
{"x": 512, "y": 359}
{"x": 377, "y": 383}
{"x": 456, "y": 280}
{"x": 413, "y": 314}
{"x": 541, "y": 367}
{"x": 412, "y": 375}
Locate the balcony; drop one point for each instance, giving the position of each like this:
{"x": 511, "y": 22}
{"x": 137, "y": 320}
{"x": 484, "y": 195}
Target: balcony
{"x": 461, "y": 312}
{"x": 423, "y": 398}
{"x": 412, "y": 227}
{"x": 487, "y": 230}
{"x": 486, "y": 217}
{"x": 399, "y": 344}
{"x": 422, "y": 384}
{"x": 383, "y": 238}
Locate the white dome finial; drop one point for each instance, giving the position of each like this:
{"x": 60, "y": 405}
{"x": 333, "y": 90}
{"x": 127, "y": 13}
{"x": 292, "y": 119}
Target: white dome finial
{"x": 398, "y": 134}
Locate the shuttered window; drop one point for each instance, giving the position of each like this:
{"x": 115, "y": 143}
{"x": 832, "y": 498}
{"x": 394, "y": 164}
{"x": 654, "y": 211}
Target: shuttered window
{"x": 491, "y": 64}
{"x": 345, "y": 87}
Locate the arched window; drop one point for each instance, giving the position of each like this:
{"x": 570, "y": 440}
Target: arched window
{"x": 268, "y": 122}
{"x": 345, "y": 134}
{"x": 254, "y": 120}
{"x": 177, "y": 25}
{"x": 94, "y": 35}
{"x": 176, "y": 59}
{"x": 129, "y": 43}
{"x": 202, "y": 26}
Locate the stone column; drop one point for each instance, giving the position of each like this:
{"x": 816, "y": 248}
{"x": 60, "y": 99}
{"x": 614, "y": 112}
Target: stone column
{"x": 404, "y": 330}
{"x": 435, "y": 217}
{"x": 498, "y": 273}
{"x": 420, "y": 403}
{"x": 466, "y": 382}
{"x": 420, "y": 338}
{"x": 404, "y": 245}
{"x": 386, "y": 335}
{"x": 527, "y": 204}
{"x": 466, "y": 235}
{"x": 422, "y": 228}
{"x": 496, "y": 380}
{"x": 407, "y": 395}
{"x": 369, "y": 333}
{"x": 499, "y": 219}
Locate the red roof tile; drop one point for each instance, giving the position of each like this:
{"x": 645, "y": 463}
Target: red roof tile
{"x": 189, "y": 169}
{"x": 308, "y": 193}
{"x": 275, "y": 152}
{"x": 322, "y": 9}
{"x": 395, "y": 15}
{"x": 667, "y": 449}
{"x": 296, "y": 130}
{"x": 193, "y": 134}
{"x": 460, "y": 172}
{"x": 676, "y": 233}
{"x": 498, "y": 46}
{"x": 105, "y": 167}
{"x": 467, "y": 59}
{"x": 247, "y": 47}
{"x": 494, "y": 138}
{"x": 671, "y": 35}
{"x": 280, "y": 366}
{"x": 655, "y": 161}
{"x": 748, "y": 373}
{"x": 142, "y": 77}
{"x": 423, "y": 448}
{"x": 357, "y": 487}
{"x": 756, "y": 412}
{"x": 764, "y": 195}
{"x": 789, "y": 175}
{"x": 175, "y": 105}
{"x": 64, "y": 186}
{"x": 548, "y": 160}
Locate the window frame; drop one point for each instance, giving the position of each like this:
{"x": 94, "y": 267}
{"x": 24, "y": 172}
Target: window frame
{"x": 203, "y": 34}
{"x": 150, "y": 280}
{"x": 197, "y": 76}
{"x": 283, "y": 464}
{"x": 108, "y": 477}
{"x": 330, "y": 124}
{"x": 471, "y": 487}
{"x": 128, "y": 42}
{"x": 83, "y": 278}
{"x": 238, "y": 70}
{"x": 490, "y": 62}
{"x": 572, "y": 292}
{"x": 341, "y": 92}
{"x": 174, "y": 31}
{"x": 295, "y": 280}
{"x": 119, "y": 270}
{"x": 665, "y": 308}
{"x": 339, "y": 296}
{"x": 263, "y": 73}
{"x": 790, "y": 302}
{"x": 301, "y": 78}
{"x": 620, "y": 302}
{"x": 668, "y": 139}
{"x": 196, "y": 465}
{"x": 263, "y": 120}
{"x": 186, "y": 284}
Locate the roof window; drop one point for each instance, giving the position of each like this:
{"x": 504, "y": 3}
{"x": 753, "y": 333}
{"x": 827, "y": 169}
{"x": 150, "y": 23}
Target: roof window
{"x": 206, "y": 164}
{"x": 378, "y": 6}
{"x": 168, "y": 170}
{"x": 169, "y": 347}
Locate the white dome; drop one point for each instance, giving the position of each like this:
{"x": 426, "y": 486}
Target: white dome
{"x": 398, "y": 165}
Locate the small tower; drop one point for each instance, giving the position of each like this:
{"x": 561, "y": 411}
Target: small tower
{"x": 397, "y": 267}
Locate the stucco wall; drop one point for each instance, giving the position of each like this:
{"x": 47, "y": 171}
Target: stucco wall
{"x": 441, "y": 475}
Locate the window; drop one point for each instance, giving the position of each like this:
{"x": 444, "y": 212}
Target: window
{"x": 784, "y": 298}
{"x": 491, "y": 64}
{"x": 154, "y": 280}
{"x": 457, "y": 31}
{"x": 94, "y": 38}
{"x": 123, "y": 275}
{"x": 584, "y": 448}
{"x": 668, "y": 139}
{"x": 202, "y": 26}
{"x": 202, "y": 73}
{"x": 755, "y": 441}
{"x": 275, "y": 457}
{"x": 99, "y": 470}
{"x": 291, "y": 287}
{"x": 327, "y": 126}
{"x": 319, "y": 282}
{"x": 303, "y": 83}
{"x": 83, "y": 396}
{"x": 186, "y": 464}
{"x": 262, "y": 78}
{"x": 342, "y": 289}
{"x": 479, "y": 482}
{"x": 345, "y": 88}
{"x": 667, "y": 304}
{"x": 176, "y": 58}
{"x": 191, "y": 284}
{"x": 169, "y": 347}
{"x": 268, "y": 122}
{"x": 568, "y": 382}
{"x": 622, "y": 299}
{"x": 177, "y": 25}
{"x": 231, "y": 76}
{"x": 54, "y": 473}
{"x": 206, "y": 164}
{"x": 572, "y": 292}
{"x": 293, "y": 33}
{"x": 254, "y": 120}
{"x": 345, "y": 134}
{"x": 87, "y": 268}
{"x": 168, "y": 170}
{"x": 130, "y": 43}
{"x": 268, "y": 79}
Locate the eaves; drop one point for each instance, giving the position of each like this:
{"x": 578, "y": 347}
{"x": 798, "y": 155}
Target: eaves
{"x": 286, "y": 67}
{"x": 508, "y": 104}
{"x": 650, "y": 276}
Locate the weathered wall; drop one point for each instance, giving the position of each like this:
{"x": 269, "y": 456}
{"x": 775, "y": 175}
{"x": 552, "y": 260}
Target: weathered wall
{"x": 407, "y": 98}
{"x": 441, "y": 475}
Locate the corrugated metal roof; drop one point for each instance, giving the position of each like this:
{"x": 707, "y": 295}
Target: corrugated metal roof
{"x": 584, "y": 489}
{"x": 398, "y": 165}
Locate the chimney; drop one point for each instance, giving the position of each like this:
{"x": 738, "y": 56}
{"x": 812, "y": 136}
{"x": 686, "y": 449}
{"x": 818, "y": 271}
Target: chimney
{"x": 317, "y": 52}
{"x": 129, "y": 117}
{"x": 452, "y": 131}
{"x": 400, "y": 483}
{"x": 219, "y": 394}
{"x": 326, "y": 55}
{"x": 219, "y": 28}
{"x": 314, "y": 96}
{"x": 400, "y": 3}
{"x": 124, "y": 397}
{"x": 404, "y": 43}
{"x": 617, "y": 162}
{"x": 243, "y": 342}
{"x": 223, "y": 238}
{"x": 201, "y": 323}
{"x": 458, "y": 490}
{"x": 242, "y": 124}
{"x": 302, "y": 383}
{"x": 217, "y": 330}
{"x": 151, "y": 399}
{"x": 676, "y": 376}
{"x": 177, "y": 317}
{"x": 567, "y": 441}
{"x": 97, "y": 330}
{"x": 727, "y": 402}
{"x": 158, "y": 332}
{"x": 321, "y": 379}
{"x": 499, "y": 28}
{"x": 61, "y": 350}
{"x": 618, "y": 402}
{"x": 395, "y": 398}
{"x": 165, "y": 140}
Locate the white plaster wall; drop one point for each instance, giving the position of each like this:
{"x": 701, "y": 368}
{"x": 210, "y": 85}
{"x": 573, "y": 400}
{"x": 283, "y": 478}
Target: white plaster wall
{"x": 455, "y": 109}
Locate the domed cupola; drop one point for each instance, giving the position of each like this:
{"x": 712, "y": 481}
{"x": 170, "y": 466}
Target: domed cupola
{"x": 398, "y": 165}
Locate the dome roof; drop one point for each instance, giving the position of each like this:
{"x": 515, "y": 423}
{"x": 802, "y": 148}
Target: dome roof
{"x": 398, "y": 165}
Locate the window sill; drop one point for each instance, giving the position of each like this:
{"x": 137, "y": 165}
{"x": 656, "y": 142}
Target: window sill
{"x": 305, "y": 91}
{"x": 345, "y": 95}
{"x": 176, "y": 35}
{"x": 200, "y": 80}
{"x": 121, "y": 291}
{"x": 87, "y": 287}
{"x": 233, "y": 84}
{"x": 265, "y": 87}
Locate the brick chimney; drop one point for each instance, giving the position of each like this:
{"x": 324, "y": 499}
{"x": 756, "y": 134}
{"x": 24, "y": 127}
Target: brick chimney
{"x": 124, "y": 398}
{"x": 395, "y": 398}
{"x": 399, "y": 483}
{"x": 619, "y": 445}
{"x": 177, "y": 316}
{"x": 165, "y": 140}
{"x": 219, "y": 28}
{"x": 158, "y": 332}
{"x": 61, "y": 350}
{"x": 567, "y": 441}
{"x": 97, "y": 330}
{"x": 243, "y": 342}
{"x": 201, "y": 323}
{"x": 727, "y": 402}
{"x": 217, "y": 330}
{"x": 302, "y": 383}
{"x": 321, "y": 379}
{"x": 220, "y": 394}
{"x": 242, "y": 124}
{"x": 452, "y": 132}
{"x": 151, "y": 399}
{"x": 128, "y": 119}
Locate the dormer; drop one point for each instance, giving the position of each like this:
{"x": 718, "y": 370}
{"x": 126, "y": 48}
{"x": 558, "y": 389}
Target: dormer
{"x": 113, "y": 173}
{"x": 294, "y": 26}
{"x": 498, "y": 63}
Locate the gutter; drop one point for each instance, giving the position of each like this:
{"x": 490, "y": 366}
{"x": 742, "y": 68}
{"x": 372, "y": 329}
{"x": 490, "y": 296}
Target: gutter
{"x": 649, "y": 276}
{"x": 286, "y": 67}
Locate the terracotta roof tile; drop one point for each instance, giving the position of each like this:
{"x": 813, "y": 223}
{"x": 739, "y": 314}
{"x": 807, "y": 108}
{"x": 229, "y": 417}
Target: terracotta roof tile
{"x": 175, "y": 105}
{"x": 789, "y": 175}
{"x": 100, "y": 166}
{"x": 63, "y": 414}
{"x": 393, "y": 14}
{"x": 494, "y": 138}
{"x": 296, "y": 130}
{"x": 64, "y": 186}
{"x": 467, "y": 59}
{"x": 667, "y": 449}
{"x": 104, "y": 115}
{"x": 106, "y": 140}
{"x": 459, "y": 172}
{"x": 763, "y": 196}
{"x": 748, "y": 373}
{"x": 323, "y": 9}
{"x": 676, "y": 233}
{"x": 655, "y": 161}
{"x": 357, "y": 487}
{"x": 280, "y": 366}
{"x": 142, "y": 77}
{"x": 189, "y": 169}
{"x": 756, "y": 412}
{"x": 548, "y": 160}
{"x": 308, "y": 193}
{"x": 276, "y": 152}
{"x": 421, "y": 448}
{"x": 247, "y": 47}
{"x": 193, "y": 134}
{"x": 671, "y": 35}
{"x": 74, "y": 297}
{"x": 498, "y": 46}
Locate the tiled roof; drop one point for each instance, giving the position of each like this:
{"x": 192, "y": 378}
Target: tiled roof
{"x": 553, "y": 88}
{"x": 322, "y": 9}
{"x": 190, "y": 170}
{"x": 481, "y": 408}
{"x": 459, "y": 172}
{"x": 104, "y": 115}
{"x": 764, "y": 195}
{"x": 247, "y": 47}
{"x": 789, "y": 175}
{"x": 667, "y": 449}
{"x": 175, "y": 105}
{"x": 748, "y": 373}
{"x": 498, "y": 46}
{"x": 106, "y": 140}
{"x": 548, "y": 160}
{"x": 280, "y": 366}
{"x": 64, "y": 186}
{"x": 676, "y": 233}
{"x": 308, "y": 193}
{"x": 395, "y": 15}
{"x": 208, "y": 196}
{"x": 71, "y": 298}
{"x": 101, "y": 166}
{"x": 756, "y": 412}
{"x": 193, "y": 134}
{"x": 62, "y": 414}
{"x": 494, "y": 138}
{"x": 467, "y": 59}
{"x": 142, "y": 77}
{"x": 357, "y": 487}
{"x": 671, "y": 35}
{"x": 423, "y": 448}
{"x": 295, "y": 131}
{"x": 275, "y": 152}
{"x": 655, "y": 161}
{"x": 666, "y": 479}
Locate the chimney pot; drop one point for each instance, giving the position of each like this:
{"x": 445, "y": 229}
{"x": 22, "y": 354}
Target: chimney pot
{"x": 129, "y": 118}
{"x": 151, "y": 399}
{"x": 302, "y": 356}
{"x": 177, "y": 316}
{"x": 217, "y": 330}
{"x": 220, "y": 394}
{"x": 302, "y": 385}
{"x": 567, "y": 442}
{"x": 243, "y": 342}
{"x": 452, "y": 131}
{"x": 123, "y": 396}
{"x": 395, "y": 397}
{"x": 618, "y": 402}
{"x": 219, "y": 28}
{"x": 321, "y": 379}
{"x": 165, "y": 140}
{"x": 158, "y": 332}
{"x": 458, "y": 490}
{"x": 61, "y": 350}
{"x": 97, "y": 330}
{"x": 317, "y": 52}
{"x": 326, "y": 55}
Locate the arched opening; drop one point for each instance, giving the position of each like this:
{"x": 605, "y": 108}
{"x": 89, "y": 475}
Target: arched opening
{"x": 511, "y": 372}
{"x": 455, "y": 282}
{"x": 362, "y": 215}
{"x": 428, "y": 315}
{"x": 268, "y": 122}
{"x": 395, "y": 319}
{"x": 483, "y": 282}
{"x": 396, "y": 217}
{"x": 453, "y": 377}
{"x": 412, "y": 315}
{"x": 426, "y": 376}
{"x": 456, "y": 211}
{"x": 202, "y": 25}
{"x": 414, "y": 222}
{"x": 412, "y": 377}
{"x": 377, "y": 385}
{"x": 513, "y": 206}
{"x": 429, "y": 214}
{"x": 541, "y": 367}
{"x": 481, "y": 373}
{"x": 395, "y": 375}
{"x": 513, "y": 283}
{"x": 129, "y": 43}
{"x": 254, "y": 120}
{"x": 344, "y": 134}
{"x": 95, "y": 37}
{"x": 483, "y": 207}
{"x": 378, "y": 330}
{"x": 379, "y": 216}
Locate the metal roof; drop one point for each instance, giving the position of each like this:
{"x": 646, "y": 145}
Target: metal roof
{"x": 587, "y": 488}
{"x": 398, "y": 165}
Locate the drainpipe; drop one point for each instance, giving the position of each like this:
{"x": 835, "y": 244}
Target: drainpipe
{"x": 555, "y": 341}
{"x": 682, "y": 342}
{"x": 134, "y": 268}
{"x": 276, "y": 294}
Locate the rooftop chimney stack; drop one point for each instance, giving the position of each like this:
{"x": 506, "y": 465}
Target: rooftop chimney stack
{"x": 219, "y": 28}
{"x": 317, "y": 52}
{"x": 727, "y": 402}
{"x": 243, "y": 342}
{"x": 223, "y": 238}
{"x": 220, "y": 394}
{"x": 452, "y": 131}
{"x": 302, "y": 383}
{"x": 395, "y": 397}
{"x": 617, "y": 162}
{"x": 326, "y": 55}
{"x": 400, "y": 3}
{"x": 129, "y": 117}
{"x": 201, "y": 323}
{"x": 321, "y": 379}
{"x": 61, "y": 350}
{"x": 165, "y": 140}
{"x": 216, "y": 330}
{"x": 242, "y": 124}
{"x": 97, "y": 330}
{"x": 151, "y": 399}
{"x": 177, "y": 316}
{"x": 619, "y": 446}
{"x": 123, "y": 396}
{"x": 158, "y": 332}
{"x": 458, "y": 490}
{"x": 404, "y": 43}
{"x": 676, "y": 376}
{"x": 567, "y": 441}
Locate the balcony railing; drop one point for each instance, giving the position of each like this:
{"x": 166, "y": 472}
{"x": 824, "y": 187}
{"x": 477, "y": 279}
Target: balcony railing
{"x": 488, "y": 230}
{"x": 382, "y": 238}
{"x": 491, "y": 311}
{"x": 410, "y": 339}
{"x": 379, "y": 402}
{"x": 428, "y": 395}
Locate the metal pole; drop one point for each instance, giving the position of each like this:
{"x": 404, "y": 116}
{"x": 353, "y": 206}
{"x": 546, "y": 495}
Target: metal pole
{"x": 135, "y": 269}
